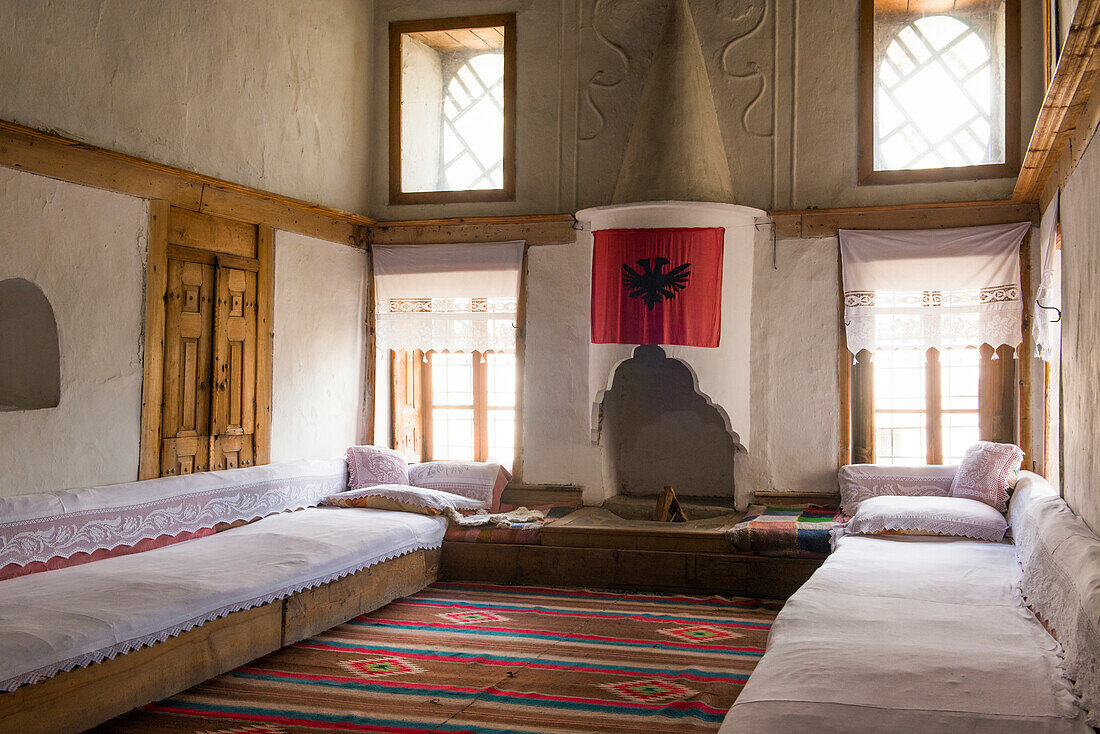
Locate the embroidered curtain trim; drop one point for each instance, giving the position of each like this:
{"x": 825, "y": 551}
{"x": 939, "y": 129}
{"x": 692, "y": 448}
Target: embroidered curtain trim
{"x": 447, "y": 298}
{"x": 919, "y": 289}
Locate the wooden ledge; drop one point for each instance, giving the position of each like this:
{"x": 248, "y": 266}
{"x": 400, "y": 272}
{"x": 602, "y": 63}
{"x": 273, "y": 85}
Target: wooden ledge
{"x": 810, "y": 223}
{"x": 535, "y": 229}
{"x": 1065, "y": 99}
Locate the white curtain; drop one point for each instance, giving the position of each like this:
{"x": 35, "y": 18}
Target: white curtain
{"x": 1046, "y": 324}
{"x": 942, "y": 288}
{"x": 453, "y": 298}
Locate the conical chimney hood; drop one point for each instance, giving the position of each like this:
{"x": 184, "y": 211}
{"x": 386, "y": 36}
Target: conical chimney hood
{"x": 675, "y": 151}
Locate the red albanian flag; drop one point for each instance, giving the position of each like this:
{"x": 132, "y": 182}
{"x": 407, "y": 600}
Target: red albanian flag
{"x": 657, "y": 286}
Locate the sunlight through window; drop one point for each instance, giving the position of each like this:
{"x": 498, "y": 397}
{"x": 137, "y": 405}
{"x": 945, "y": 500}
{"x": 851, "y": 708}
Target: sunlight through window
{"x": 939, "y": 85}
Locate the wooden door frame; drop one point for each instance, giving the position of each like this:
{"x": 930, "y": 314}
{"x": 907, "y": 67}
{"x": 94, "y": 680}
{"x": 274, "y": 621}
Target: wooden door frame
{"x": 152, "y": 386}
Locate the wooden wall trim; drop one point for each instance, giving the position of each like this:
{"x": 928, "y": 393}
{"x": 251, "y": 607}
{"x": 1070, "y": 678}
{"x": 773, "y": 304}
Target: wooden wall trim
{"x": 1065, "y": 99}
{"x": 810, "y": 223}
{"x": 54, "y": 156}
{"x": 152, "y": 385}
{"x": 536, "y": 229}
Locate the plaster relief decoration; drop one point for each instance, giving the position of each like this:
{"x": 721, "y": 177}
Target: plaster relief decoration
{"x": 617, "y": 49}
{"x": 657, "y": 286}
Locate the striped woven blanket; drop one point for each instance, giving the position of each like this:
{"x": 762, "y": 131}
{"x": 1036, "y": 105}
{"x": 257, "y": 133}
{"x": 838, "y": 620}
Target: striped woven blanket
{"x": 785, "y": 532}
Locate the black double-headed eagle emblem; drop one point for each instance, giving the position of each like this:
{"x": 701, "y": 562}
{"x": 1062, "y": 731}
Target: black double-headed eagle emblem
{"x": 651, "y": 284}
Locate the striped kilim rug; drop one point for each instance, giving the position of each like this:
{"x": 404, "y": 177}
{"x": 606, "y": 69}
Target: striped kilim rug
{"x": 479, "y": 658}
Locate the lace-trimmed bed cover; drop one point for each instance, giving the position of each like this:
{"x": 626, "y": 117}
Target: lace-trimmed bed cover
{"x": 942, "y": 288}
{"x": 1060, "y": 558}
{"x": 41, "y": 531}
{"x": 447, "y": 298}
{"x": 71, "y": 617}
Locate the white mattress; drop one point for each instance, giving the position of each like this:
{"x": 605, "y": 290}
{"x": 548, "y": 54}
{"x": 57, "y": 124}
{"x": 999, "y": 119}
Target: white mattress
{"x": 62, "y": 619}
{"x": 909, "y": 634}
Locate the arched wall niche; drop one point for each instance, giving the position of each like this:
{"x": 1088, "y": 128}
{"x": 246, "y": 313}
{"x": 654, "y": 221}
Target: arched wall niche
{"x": 658, "y": 429}
{"x": 30, "y": 356}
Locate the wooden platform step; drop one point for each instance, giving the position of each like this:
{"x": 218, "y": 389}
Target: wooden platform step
{"x": 598, "y": 527}
{"x": 618, "y": 568}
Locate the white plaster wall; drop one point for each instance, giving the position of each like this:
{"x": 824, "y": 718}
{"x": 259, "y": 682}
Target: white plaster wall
{"x": 270, "y": 94}
{"x": 556, "y": 410}
{"x": 319, "y": 357}
{"x": 795, "y": 394}
{"x": 1080, "y": 217}
{"x": 85, "y": 249}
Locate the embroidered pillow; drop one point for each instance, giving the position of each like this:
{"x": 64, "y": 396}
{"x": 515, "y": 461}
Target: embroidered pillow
{"x": 986, "y": 472}
{"x": 477, "y": 480}
{"x": 371, "y": 465}
{"x": 859, "y": 482}
{"x": 895, "y": 515}
{"x": 403, "y": 498}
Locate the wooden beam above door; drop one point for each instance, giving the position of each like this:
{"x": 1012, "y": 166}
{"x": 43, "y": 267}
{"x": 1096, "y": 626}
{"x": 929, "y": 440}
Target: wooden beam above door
{"x": 55, "y": 156}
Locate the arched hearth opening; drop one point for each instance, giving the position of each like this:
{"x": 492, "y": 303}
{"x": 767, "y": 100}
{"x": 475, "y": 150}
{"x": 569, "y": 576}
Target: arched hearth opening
{"x": 659, "y": 430}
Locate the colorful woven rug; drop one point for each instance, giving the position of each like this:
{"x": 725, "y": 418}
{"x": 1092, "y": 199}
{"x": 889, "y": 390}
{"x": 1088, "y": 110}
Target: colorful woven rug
{"x": 494, "y": 659}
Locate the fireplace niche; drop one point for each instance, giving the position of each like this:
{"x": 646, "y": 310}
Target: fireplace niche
{"x": 658, "y": 430}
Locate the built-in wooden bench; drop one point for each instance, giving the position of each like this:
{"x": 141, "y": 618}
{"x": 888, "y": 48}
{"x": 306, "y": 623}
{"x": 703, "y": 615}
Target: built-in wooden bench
{"x": 81, "y": 698}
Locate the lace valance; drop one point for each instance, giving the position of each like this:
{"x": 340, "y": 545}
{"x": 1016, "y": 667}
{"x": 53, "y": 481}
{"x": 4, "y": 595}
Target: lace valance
{"x": 941, "y": 288}
{"x": 456, "y": 298}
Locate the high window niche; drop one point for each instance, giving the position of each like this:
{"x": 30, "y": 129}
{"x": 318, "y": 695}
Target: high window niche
{"x": 939, "y": 90}
{"x": 30, "y": 358}
{"x": 452, "y": 110}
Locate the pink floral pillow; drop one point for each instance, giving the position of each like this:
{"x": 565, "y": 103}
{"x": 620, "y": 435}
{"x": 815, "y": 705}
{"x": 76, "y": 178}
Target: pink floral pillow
{"x": 371, "y": 465}
{"x": 985, "y": 471}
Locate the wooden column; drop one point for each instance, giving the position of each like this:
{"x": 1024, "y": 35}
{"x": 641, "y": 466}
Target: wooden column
{"x": 997, "y": 395}
{"x": 863, "y": 409}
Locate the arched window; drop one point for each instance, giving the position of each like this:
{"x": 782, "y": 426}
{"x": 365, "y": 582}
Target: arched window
{"x": 935, "y": 98}
{"x": 473, "y": 129}
{"x": 942, "y": 88}
{"x": 30, "y": 360}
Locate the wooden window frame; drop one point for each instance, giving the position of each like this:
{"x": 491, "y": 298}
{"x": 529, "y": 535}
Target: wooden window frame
{"x": 866, "y": 164}
{"x": 480, "y": 405}
{"x": 399, "y": 28}
{"x": 997, "y": 403}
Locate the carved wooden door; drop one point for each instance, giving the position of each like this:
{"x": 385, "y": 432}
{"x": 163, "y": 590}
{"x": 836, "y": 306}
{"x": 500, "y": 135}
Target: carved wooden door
{"x": 233, "y": 431}
{"x": 188, "y": 330}
{"x": 206, "y": 400}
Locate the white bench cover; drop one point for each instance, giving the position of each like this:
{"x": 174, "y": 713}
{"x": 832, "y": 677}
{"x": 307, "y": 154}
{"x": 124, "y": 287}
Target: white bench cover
{"x": 70, "y": 617}
{"x": 899, "y": 634}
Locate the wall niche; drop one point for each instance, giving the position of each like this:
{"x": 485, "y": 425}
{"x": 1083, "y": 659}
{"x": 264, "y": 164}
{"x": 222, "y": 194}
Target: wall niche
{"x": 30, "y": 357}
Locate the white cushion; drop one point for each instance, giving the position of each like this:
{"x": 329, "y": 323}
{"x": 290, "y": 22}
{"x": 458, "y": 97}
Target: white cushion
{"x": 985, "y": 473}
{"x": 927, "y": 516}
